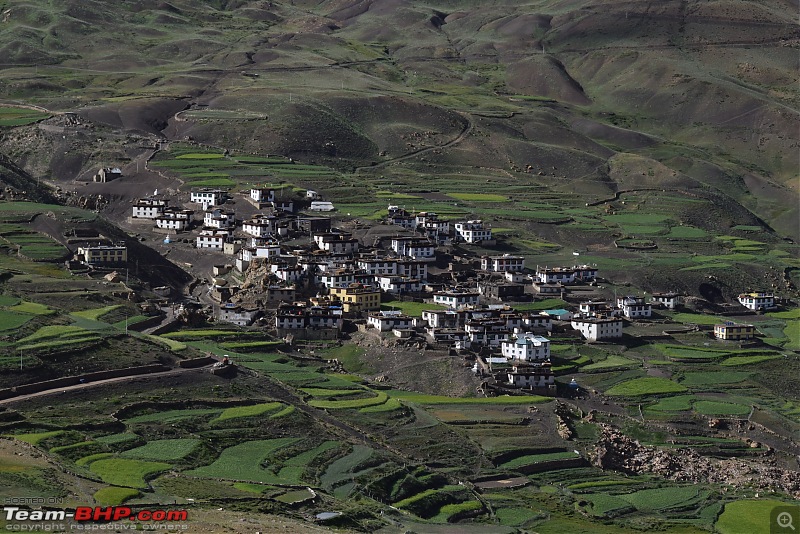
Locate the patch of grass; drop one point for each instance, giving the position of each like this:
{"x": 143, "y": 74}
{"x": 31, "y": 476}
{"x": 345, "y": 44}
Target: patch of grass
{"x": 659, "y": 499}
{"x": 687, "y": 232}
{"x": 645, "y": 386}
{"x": 613, "y": 361}
{"x": 601, "y": 484}
{"x": 254, "y": 410}
{"x": 10, "y": 117}
{"x": 126, "y": 472}
{"x": 95, "y": 314}
{"x": 12, "y": 321}
{"x": 379, "y": 398}
{"x": 677, "y": 403}
{"x": 32, "y": 308}
{"x": 515, "y": 516}
{"x": 696, "y": 318}
{"x": 603, "y": 504}
{"x": 58, "y": 344}
{"x": 479, "y": 197}
{"x": 37, "y": 437}
{"x": 413, "y": 309}
{"x": 711, "y": 378}
{"x": 114, "y": 439}
{"x": 449, "y": 510}
{"x": 196, "y": 155}
{"x": 530, "y": 459}
{"x": 747, "y": 360}
{"x": 163, "y": 449}
{"x": 388, "y": 406}
{"x": 171, "y": 344}
{"x": 114, "y": 496}
{"x": 86, "y": 460}
{"x": 244, "y": 462}
{"x": 349, "y": 355}
{"x": 171, "y": 416}
{"x": 202, "y": 334}
{"x": 343, "y": 468}
{"x": 747, "y": 517}
{"x": 707, "y": 407}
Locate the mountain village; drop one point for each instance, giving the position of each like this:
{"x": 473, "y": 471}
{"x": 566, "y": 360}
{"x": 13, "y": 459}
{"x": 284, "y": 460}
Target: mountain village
{"x": 291, "y": 269}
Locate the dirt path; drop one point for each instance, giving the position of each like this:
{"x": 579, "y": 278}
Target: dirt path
{"x": 465, "y": 131}
{"x": 65, "y": 389}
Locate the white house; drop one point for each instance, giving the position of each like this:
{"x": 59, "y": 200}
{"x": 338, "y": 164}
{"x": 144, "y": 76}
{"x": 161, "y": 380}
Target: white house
{"x": 595, "y": 308}
{"x": 758, "y": 300}
{"x": 262, "y": 194}
{"x": 213, "y": 239}
{"x": 585, "y": 273}
{"x": 597, "y": 328}
{"x": 552, "y": 275}
{"x": 473, "y": 231}
{"x": 669, "y": 301}
{"x": 634, "y": 307}
{"x": 174, "y": 220}
{"x": 338, "y": 278}
{"x": 526, "y": 347}
{"x": 103, "y": 254}
{"x": 208, "y": 197}
{"x": 287, "y": 273}
{"x": 218, "y": 218}
{"x": 412, "y": 268}
{"x": 237, "y": 315}
{"x": 539, "y": 376}
{"x": 456, "y": 299}
{"x": 537, "y": 321}
{"x": 386, "y": 321}
{"x": 336, "y": 243}
{"x": 399, "y": 284}
{"x": 377, "y": 266}
{"x": 414, "y": 247}
{"x": 149, "y": 208}
{"x": 319, "y": 205}
{"x": 260, "y": 226}
{"x": 504, "y": 263}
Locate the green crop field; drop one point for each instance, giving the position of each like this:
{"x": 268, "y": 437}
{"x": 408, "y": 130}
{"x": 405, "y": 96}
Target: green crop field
{"x": 613, "y": 361}
{"x": 748, "y": 360}
{"x": 659, "y": 499}
{"x": 711, "y": 378}
{"x": 125, "y": 472}
{"x": 479, "y": 197}
{"x": 31, "y": 308}
{"x": 96, "y": 313}
{"x": 244, "y": 462}
{"x": 530, "y": 459}
{"x": 343, "y": 468}
{"x": 254, "y": 410}
{"x": 645, "y": 386}
{"x": 12, "y": 321}
{"x": 37, "y": 437}
{"x": 414, "y": 309}
{"x": 171, "y": 416}
{"x": 163, "y": 449}
{"x": 706, "y": 407}
{"x": 10, "y": 117}
{"x": 113, "y": 439}
{"x": 114, "y": 496}
{"x": 422, "y": 398}
{"x": 603, "y": 504}
{"x": 379, "y": 398}
{"x": 748, "y": 517}
{"x": 674, "y": 404}
{"x": 86, "y": 460}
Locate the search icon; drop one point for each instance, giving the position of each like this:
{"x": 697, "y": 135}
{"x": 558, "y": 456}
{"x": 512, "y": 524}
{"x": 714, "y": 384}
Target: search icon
{"x": 784, "y": 520}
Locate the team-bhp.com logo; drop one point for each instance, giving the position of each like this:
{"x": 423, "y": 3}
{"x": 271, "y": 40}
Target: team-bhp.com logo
{"x": 89, "y": 514}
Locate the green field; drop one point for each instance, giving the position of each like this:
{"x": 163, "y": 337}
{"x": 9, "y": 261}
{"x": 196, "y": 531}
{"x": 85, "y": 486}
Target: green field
{"x": 244, "y": 462}
{"x": 96, "y": 313}
{"x": 645, "y": 386}
{"x": 10, "y": 117}
{"x": 748, "y": 517}
{"x": 163, "y": 449}
{"x": 254, "y": 410}
{"x": 613, "y": 361}
{"x": 172, "y": 416}
{"x": 125, "y": 472}
{"x": 114, "y": 496}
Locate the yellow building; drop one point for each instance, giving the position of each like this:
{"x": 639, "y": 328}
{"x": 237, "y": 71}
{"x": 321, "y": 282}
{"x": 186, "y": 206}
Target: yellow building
{"x": 103, "y": 254}
{"x": 357, "y": 297}
{"x": 734, "y": 332}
